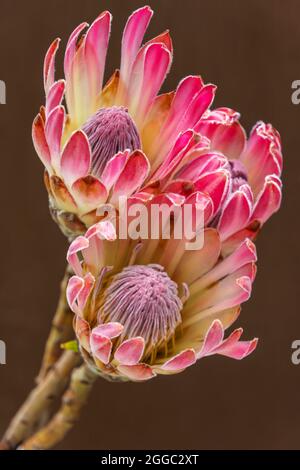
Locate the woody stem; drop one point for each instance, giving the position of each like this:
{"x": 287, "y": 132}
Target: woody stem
{"x": 39, "y": 400}
{"x": 73, "y": 400}
{"x": 61, "y": 330}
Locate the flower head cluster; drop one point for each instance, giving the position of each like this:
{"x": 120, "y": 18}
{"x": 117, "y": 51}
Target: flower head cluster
{"x": 155, "y": 308}
{"x": 124, "y": 139}
{"x": 148, "y": 307}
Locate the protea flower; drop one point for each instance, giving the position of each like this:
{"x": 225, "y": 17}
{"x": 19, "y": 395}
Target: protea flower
{"x": 241, "y": 177}
{"x": 155, "y": 308}
{"x": 124, "y": 138}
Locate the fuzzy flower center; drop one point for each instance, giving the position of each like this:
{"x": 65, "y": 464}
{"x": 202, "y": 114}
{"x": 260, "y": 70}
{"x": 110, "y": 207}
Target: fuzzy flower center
{"x": 110, "y": 130}
{"x": 145, "y": 301}
{"x": 238, "y": 174}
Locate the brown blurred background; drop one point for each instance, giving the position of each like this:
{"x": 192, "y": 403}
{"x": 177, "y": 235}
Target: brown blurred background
{"x": 251, "y": 50}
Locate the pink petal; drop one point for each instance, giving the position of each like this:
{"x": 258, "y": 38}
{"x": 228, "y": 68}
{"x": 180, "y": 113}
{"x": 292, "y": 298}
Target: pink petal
{"x": 63, "y": 197}
{"x": 262, "y": 155}
{"x": 101, "y": 347}
{"x": 232, "y": 347}
{"x": 114, "y": 168}
{"x": 235, "y": 215}
{"x": 130, "y": 351}
{"x": 109, "y": 330}
{"x": 275, "y": 179}
{"x": 183, "y": 144}
{"x": 237, "y": 238}
{"x": 227, "y": 293}
{"x": 180, "y": 361}
{"x": 232, "y": 338}
{"x": 74, "y": 287}
{"x": 133, "y": 175}
{"x": 204, "y": 163}
{"x": 104, "y": 230}
{"x": 201, "y": 202}
{"x": 198, "y": 106}
{"x": 163, "y": 38}
{"x": 182, "y": 187}
{"x": 186, "y": 90}
{"x": 226, "y": 134}
{"x": 132, "y": 38}
{"x": 107, "y": 231}
{"x": 96, "y": 43}
{"x": 268, "y": 201}
{"x": 96, "y": 255}
{"x": 216, "y": 184}
{"x": 69, "y": 59}
{"x": 54, "y": 131}
{"x": 55, "y": 96}
{"x": 147, "y": 78}
{"x": 76, "y": 157}
{"x": 236, "y": 293}
{"x": 246, "y": 189}
{"x": 89, "y": 192}
{"x": 40, "y": 142}
{"x": 83, "y": 332}
{"x": 89, "y": 282}
{"x": 80, "y": 243}
{"x": 80, "y": 100}
{"x": 49, "y": 65}
{"x": 244, "y": 254}
{"x": 138, "y": 372}
{"x": 213, "y": 338}
{"x": 72, "y": 47}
